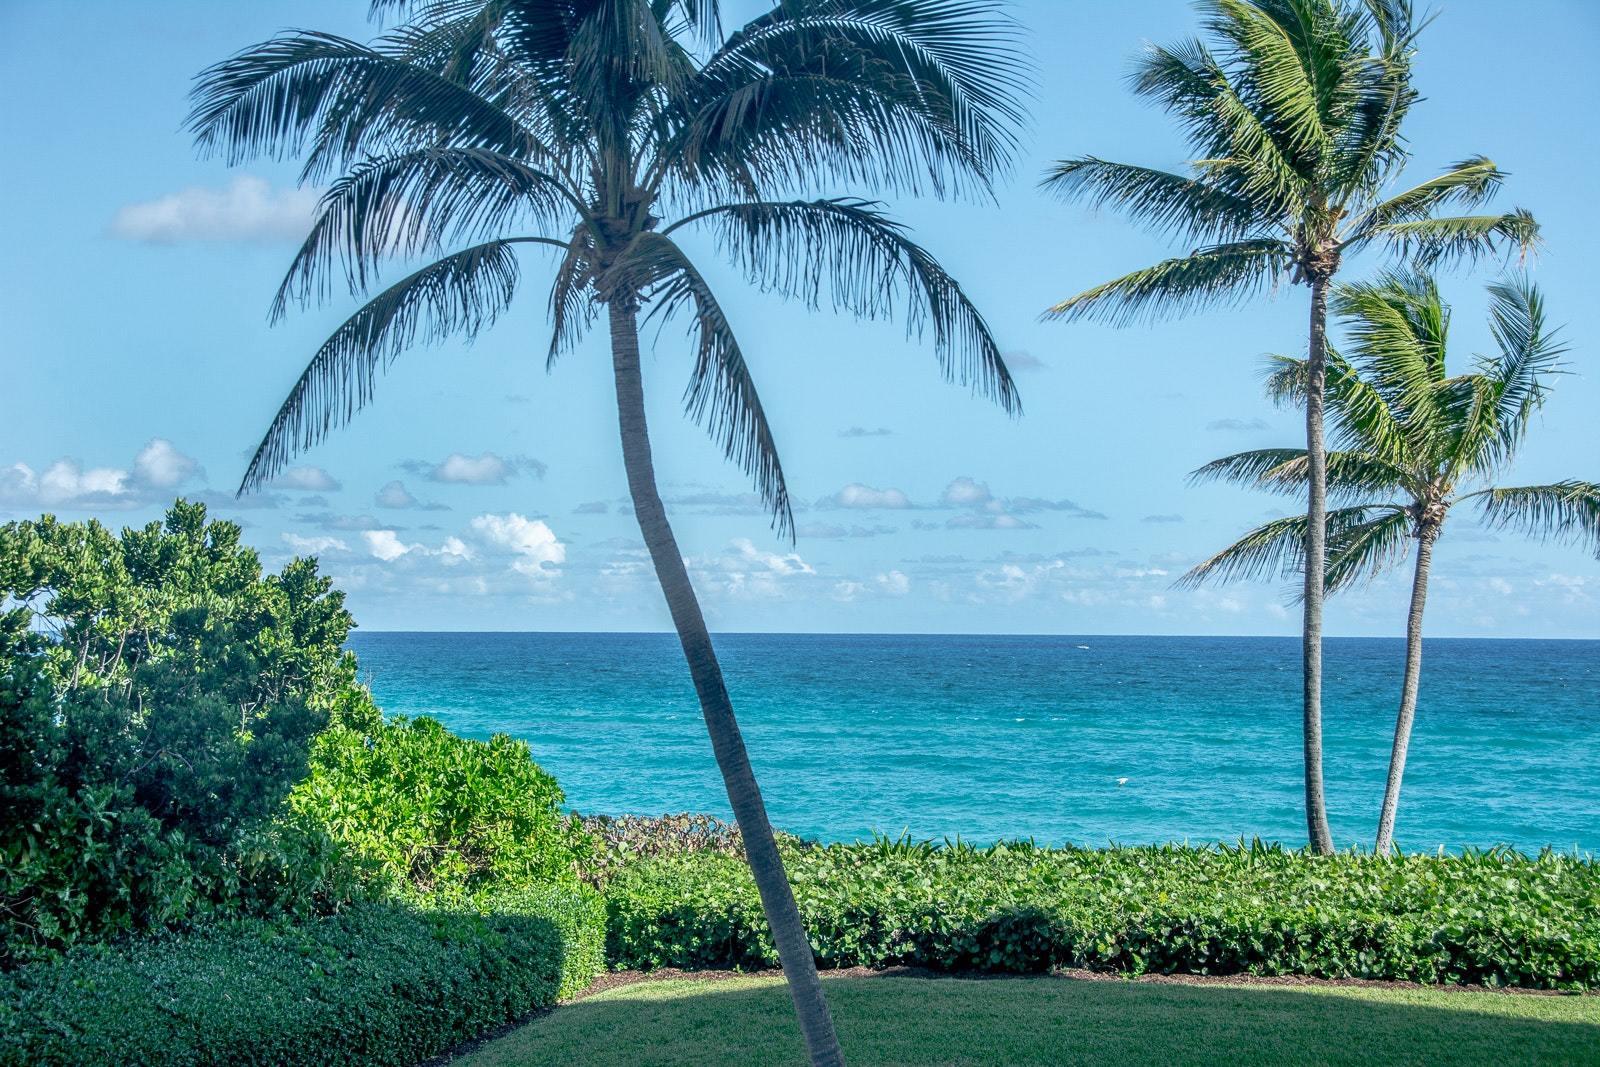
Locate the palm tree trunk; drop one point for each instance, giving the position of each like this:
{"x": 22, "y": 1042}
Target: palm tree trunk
{"x": 761, "y": 850}
{"x": 1408, "y": 692}
{"x": 1317, "y": 832}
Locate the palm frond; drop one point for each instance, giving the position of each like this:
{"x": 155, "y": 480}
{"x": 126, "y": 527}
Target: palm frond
{"x": 849, "y": 254}
{"x": 1360, "y": 418}
{"x": 1170, "y": 203}
{"x": 1366, "y": 549}
{"x": 721, "y": 395}
{"x": 459, "y": 294}
{"x": 415, "y": 204}
{"x": 1352, "y": 476}
{"x": 1466, "y": 184}
{"x": 1432, "y": 242}
{"x": 1528, "y": 354}
{"x": 335, "y": 100}
{"x": 1562, "y": 511}
{"x": 1274, "y": 549}
{"x": 857, "y": 90}
{"x": 1217, "y": 275}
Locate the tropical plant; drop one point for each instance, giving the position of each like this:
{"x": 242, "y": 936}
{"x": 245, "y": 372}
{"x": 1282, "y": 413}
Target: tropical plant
{"x": 482, "y": 127}
{"x": 1295, "y": 117}
{"x": 1413, "y": 441}
{"x": 158, "y": 698}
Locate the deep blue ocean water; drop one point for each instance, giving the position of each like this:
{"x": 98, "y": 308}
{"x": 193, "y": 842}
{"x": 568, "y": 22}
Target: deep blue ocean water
{"x": 991, "y": 737}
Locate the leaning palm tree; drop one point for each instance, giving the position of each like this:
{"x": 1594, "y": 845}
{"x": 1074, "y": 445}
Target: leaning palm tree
{"x": 479, "y": 128}
{"x": 1294, "y": 116}
{"x": 1412, "y": 442}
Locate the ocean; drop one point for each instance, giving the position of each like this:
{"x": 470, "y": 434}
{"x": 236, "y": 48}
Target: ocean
{"x": 1084, "y": 740}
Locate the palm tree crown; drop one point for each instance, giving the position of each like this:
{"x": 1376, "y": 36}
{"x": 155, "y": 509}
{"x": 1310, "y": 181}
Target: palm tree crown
{"x": 1412, "y": 440}
{"x": 1294, "y": 121}
{"x": 1415, "y": 441}
{"x": 601, "y": 129}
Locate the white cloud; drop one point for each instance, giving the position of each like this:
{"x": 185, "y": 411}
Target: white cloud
{"x": 856, "y": 495}
{"x": 156, "y": 470}
{"x": 248, "y": 209}
{"x": 963, "y": 492}
{"x": 894, "y": 583}
{"x": 315, "y": 545}
{"x": 396, "y": 497}
{"x": 160, "y": 465}
{"x": 386, "y": 544}
{"x": 485, "y": 469}
{"x": 454, "y": 551}
{"x": 307, "y": 480}
{"x": 537, "y": 550}
{"x": 982, "y": 521}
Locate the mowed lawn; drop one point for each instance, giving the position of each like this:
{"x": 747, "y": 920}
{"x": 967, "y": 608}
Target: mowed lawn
{"x": 746, "y": 1022}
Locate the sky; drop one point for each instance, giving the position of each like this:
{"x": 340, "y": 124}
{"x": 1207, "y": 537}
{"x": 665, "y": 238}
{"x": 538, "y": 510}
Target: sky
{"x": 479, "y": 492}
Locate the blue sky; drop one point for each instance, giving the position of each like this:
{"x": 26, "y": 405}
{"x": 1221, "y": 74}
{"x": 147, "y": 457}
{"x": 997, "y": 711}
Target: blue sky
{"x": 478, "y": 492}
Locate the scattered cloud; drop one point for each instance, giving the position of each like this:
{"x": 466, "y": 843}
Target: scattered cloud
{"x": 485, "y": 469}
{"x": 394, "y": 496}
{"x": 307, "y": 480}
{"x": 827, "y": 531}
{"x": 593, "y": 507}
{"x": 744, "y": 571}
{"x": 386, "y": 545}
{"x": 866, "y": 497}
{"x": 536, "y": 550}
{"x": 862, "y": 431}
{"x": 1238, "y": 425}
{"x": 1162, "y": 518}
{"x": 315, "y": 546}
{"x": 985, "y": 521}
{"x": 247, "y": 209}
{"x": 328, "y": 520}
{"x": 157, "y": 470}
{"x": 985, "y": 511}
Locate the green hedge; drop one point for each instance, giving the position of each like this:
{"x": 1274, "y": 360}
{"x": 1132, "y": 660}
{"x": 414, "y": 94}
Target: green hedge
{"x": 1494, "y": 918}
{"x": 377, "y": 984}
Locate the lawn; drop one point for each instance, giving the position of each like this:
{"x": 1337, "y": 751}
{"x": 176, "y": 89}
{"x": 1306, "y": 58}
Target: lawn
{"x": 746, "y": 1021}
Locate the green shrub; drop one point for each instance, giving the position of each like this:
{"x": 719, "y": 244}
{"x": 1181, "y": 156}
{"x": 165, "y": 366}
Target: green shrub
{"x": 438, "y": 813}
{"x": 377, "y": 984}
{"x": 158, "y": 697}
{"x": 1496, "y": 918}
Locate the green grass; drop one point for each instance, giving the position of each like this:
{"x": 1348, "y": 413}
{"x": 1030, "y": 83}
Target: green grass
{"x": 898, "y": 1020}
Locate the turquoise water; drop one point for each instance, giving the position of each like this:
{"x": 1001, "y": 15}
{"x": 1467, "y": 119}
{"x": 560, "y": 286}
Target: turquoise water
{"x": 997, "y": 737}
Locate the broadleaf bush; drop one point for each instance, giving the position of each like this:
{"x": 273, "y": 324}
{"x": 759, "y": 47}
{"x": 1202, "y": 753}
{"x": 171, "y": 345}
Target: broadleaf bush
{"x": 1494, "y": 918}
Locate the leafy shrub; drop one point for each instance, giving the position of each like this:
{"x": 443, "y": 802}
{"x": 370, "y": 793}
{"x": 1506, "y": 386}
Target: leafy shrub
{"x": 158, "y": 697}
{"x": 377, "y": 984}
{"x": 624, "y": 839}
{"x": 1496, "y": 918}
{"x": 438, "y": 813}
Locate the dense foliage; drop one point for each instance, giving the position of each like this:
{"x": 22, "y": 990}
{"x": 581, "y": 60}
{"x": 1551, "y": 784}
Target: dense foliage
{"x": 1496, "y": 918}
{"x": 437, "y": 813}
{"x": 158, "y": 698}
{"x": 376, "y": 984}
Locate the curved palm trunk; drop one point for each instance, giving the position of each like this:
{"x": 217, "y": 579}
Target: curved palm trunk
{"x": 1317, "y": 832}
{"x": 1408, "y": 693}
{"x": 777, "y": 899}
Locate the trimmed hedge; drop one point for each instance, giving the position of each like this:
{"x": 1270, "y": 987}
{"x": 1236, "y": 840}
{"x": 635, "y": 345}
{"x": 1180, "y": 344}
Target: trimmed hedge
{"x": 1496, "y": 918}
{"x": 377, "y": 984}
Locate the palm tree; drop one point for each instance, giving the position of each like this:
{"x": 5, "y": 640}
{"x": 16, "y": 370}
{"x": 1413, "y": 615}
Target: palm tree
{"x": 1295, "y": 120}
{"x": 482, "y": 127}
{"x": 1413, "y": 442}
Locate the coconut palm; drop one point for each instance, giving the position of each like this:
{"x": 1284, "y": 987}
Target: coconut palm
{"x": 1412, "y": 442}
{"x": 1294, "y": 116}
{"x": 607, "y": 131}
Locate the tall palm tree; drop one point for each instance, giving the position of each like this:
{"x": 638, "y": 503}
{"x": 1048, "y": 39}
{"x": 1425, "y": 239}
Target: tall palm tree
{"x": 1413, "y": 441}
{"x": 1294, "y": 114}
{"x": 481, "y": 127}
